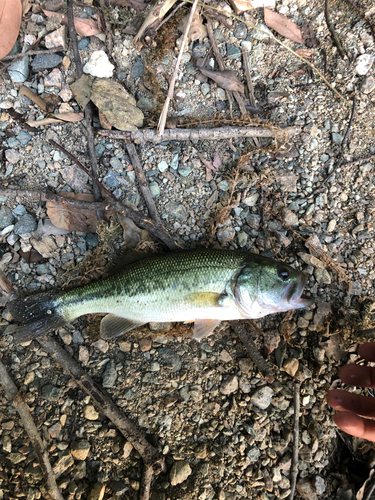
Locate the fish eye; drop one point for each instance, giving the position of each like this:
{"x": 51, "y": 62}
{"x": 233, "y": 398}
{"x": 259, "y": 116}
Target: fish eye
{"x": 283, "y": 273}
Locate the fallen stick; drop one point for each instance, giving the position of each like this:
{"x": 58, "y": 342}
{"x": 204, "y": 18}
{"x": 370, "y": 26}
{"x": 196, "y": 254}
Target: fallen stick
{"x": 252, "y": 350}
{"x": 164, "y": 112}
{"x": 250, "y": 87}
{"x": 88, "y": 108}
{"x": 23, "y": 410}
{"x": 334, "y": 35}
{"x": 143, "y": 184}
{"x": 155, "y": 230}
{"x": 101, "y": 399}
{"x": 294, "y": 469}
{"x": 202, "y": 134}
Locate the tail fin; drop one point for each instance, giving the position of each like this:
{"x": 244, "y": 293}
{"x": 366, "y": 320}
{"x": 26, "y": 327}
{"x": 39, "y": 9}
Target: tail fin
{"x": 41, "y": 313}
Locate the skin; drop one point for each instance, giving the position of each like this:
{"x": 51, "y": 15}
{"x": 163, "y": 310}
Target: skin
{"x": 355, "y": 411}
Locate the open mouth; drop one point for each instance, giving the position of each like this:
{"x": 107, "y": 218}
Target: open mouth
{"x": 295, "y": 295}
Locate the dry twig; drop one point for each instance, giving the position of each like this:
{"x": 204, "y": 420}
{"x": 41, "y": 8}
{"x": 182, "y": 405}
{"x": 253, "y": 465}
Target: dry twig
{"x": 143, "y": 184}
{"x": 294, "y": 469}
{"x": 164, "y": 113}
{"x": 32, "y": 53}
{"x": 335, "y": 37}
{"x": 23, "y": 410}
{"x": 155, "y": 230}
{"x": 88, "y": 109}
{"x": 253, "y": 352}
{"x": 202, "y": 134}
{"x": 251, "y": 88}
{"x": 101, "y": 399}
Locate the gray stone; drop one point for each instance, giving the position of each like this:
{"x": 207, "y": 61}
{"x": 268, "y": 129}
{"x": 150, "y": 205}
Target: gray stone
{"x": 184, "y": 170}
{"x": 12, "y": 142}
{"x": 170, "y": 359}
{"x": 199, "y": 51}
{"x": 138, "y": 69}
{"x": 242, "y": 239}
{"x": 92, "y": 240}
{"x": 229, "y": 384}
{"x": 233, "y": 52}
{"x": 155, "y": 189}
{"x": 262, "y": 397}
{"x": 241, "y": 31}
{"x": 180, "y": 471}
{"x": 133, "y": 200}
{"x": 205, "y": 88}
{"x": 147, "y": 103}
{"x": 45, "y": 61}
{"x": 84, "y": 43}
{"x": 254, "y": 455}
{"x": 162, "y": 166}
{"x": 12, "y": 156}
{"x": 110, "y": 375}
{"x": 26, "y": 224}
{"x": 177, "y": 210}
{"x": 174, "y": 162}
{"x": 337, "y": 138}
{"x": 223, "y": 185}
{"x": 74, "y": 177}
{"x": 322, "y": 276}
{"x": 110, "y": 179}
{"x": 116, "y": 164}
{"x": 6, "y": 217}
{"x": 24, "y": 137}
{"x": 261, "y": 35}
{"x": 19, "y": 70}
{"x": 51, "y": 392}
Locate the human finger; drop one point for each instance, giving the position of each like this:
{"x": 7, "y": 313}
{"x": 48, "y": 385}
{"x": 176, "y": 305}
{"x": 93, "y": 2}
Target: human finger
{"x": 355, "y": 403}
{"x": 354, "y": 425}
{"x": 358, "y": 375}
{"x": 367, "y": 351}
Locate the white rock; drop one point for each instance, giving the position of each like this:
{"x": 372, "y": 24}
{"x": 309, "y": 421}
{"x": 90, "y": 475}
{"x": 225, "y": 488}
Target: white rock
{"x": 99, "y": 65}
{"x": 364, "y": 63}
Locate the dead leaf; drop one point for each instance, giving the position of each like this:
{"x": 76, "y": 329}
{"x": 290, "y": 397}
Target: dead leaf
{"x": 226, "y": 79}
{"x": 308, "y": 34}
{"x": 26, "y": 6}
{"x": 10, "y": 23}
{"x": 57, "y": 118}
{"x": 5, "y": 284}
{"x": 84, "y": 27}
{"x": 283, "y": 26}
{"x": 26, "y": 92}
{"x": 207, "y": 163}
{"x": 196, "y": 30}
{"x": 216, "y": 161}
{"x": 32, "y": 256}
{"x": 66, "y": 217}
{"x": 81, "y": 89}
{"x": 305, "y": 53}
{"x": 333, "y": 348}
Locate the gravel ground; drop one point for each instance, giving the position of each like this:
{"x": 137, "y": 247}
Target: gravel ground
{"x": 224, "y": 431}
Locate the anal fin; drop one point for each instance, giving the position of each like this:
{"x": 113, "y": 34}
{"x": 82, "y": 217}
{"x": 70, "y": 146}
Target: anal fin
{"x": 113, "y": 326}
{"x": 203, "y": 327}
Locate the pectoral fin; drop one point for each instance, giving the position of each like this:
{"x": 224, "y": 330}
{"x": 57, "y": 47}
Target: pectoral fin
{"x": 203, "y": 327}
{"x": 113, "y": 326}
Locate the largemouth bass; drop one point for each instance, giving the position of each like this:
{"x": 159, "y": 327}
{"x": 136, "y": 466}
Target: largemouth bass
{"x": 205, "y": 286}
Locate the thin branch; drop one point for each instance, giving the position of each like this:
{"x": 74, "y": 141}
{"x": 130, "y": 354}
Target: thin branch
{"x": 155, "y": 230}
{"x": 335, "y": 37}
{"x": 83, "y": 168}
{"x": 294, "y": 469}
{"x": 252, "y": 350}
{"x": 250, "y": 87}
{"x": 88, "y": 109}
{"x": 143, "y": 184}
{"x": 200, "y": 134}
{"x": 146, "y": 480}
{"x": 104, "y": 403}
{"x": 164, "y": 113}
{"x": 23, "y": 410}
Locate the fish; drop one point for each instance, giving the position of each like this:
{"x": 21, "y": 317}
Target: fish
{"x": 206, "y": 286}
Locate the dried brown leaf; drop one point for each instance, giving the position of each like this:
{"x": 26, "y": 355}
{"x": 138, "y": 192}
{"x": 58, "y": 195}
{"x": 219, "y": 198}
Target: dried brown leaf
{"x": 64, "y": 216}
{"x": 226, "y": 79}
{"x": 283, "y": 26}
{"x": 26, "y": 92}
{"x": 207, "y": 163}
{"x": 308, "y": 34}
{"x": 197, "y": 30}
{"x": 26, "y": 6}
{"x": 305, "y": 53}
{"x": 5, "y": 285}
{"x": 32, "y": 256}
{"x": 81, "y": 89}
{"x": 216, "y": 161}
{"x": 84, "y": 27}
{"x": 10, "y": 23}
{"x": 56, "y": 118}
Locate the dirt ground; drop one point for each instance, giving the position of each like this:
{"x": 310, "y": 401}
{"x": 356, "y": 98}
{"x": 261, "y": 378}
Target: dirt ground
{"x": 224, "y": 431}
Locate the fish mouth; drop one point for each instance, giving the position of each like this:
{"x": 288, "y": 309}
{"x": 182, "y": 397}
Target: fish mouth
{"x": 294, "y": 293}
